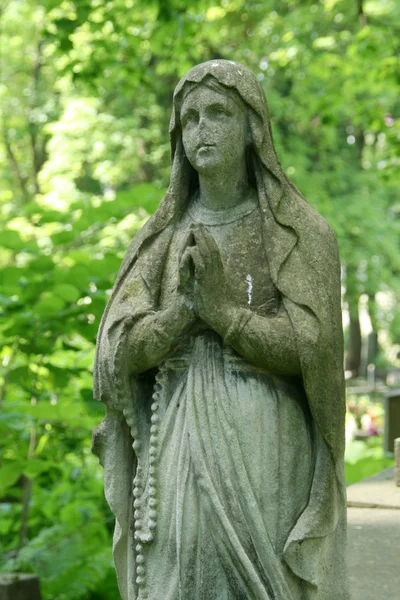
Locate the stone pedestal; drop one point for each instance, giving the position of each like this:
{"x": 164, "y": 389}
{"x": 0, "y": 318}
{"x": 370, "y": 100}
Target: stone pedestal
{"x": 19, "y": 586}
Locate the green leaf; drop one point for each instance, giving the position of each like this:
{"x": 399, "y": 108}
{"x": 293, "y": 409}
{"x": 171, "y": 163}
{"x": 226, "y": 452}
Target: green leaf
{"x": 10, "y": 276}
{"x": 79, "y": 275}
{"x": 49, "y": 305}
{"x": 63, "y": 237}
{"x": 35, "y": 467}
{"x": 9, "y": 474}
{"x": 66, "y": 292}
{"x": 42, "y": 443}
{"x": 11, "y": 239}
{"x": 42, "y": 264}
{"x": 79, "y": 256}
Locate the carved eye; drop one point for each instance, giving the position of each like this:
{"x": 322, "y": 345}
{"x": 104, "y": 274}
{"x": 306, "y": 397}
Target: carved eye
{"x": 219, "y": 112}
{"x": 190, "y": 118}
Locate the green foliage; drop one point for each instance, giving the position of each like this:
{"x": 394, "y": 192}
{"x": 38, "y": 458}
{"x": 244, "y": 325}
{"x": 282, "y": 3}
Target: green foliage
{"x": 364, "y": 459}
{"x": 85, "y": 98}
{"x": 83, "y": 560}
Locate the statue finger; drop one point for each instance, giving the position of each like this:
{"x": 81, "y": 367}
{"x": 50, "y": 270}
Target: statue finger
{"x": 205, "y": 242}
{"x": 186, "y": 264}
{"x": 199, "y": 262}
{"x": 188, "y": 242}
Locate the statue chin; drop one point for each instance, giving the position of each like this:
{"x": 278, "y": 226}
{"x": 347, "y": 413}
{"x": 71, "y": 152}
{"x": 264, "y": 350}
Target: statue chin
{"x": 205, "y": 162}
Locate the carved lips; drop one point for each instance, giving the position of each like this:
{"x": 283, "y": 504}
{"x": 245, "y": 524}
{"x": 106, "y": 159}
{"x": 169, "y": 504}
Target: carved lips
{"x": 205, "y": 146}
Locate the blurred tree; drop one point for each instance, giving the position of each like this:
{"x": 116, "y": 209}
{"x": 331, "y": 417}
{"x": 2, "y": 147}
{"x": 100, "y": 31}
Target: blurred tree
{"x": 85, "y": 97}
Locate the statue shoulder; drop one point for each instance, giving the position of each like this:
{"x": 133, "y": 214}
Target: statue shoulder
{"x": 318, "y": 233}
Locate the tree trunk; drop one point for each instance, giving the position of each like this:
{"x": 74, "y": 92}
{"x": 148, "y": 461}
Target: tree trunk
{"x": 373, "y": 346}
{"x": 353, "y": 354}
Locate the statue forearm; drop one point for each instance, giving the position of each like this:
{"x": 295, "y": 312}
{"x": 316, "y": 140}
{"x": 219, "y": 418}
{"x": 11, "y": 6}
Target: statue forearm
{"x": 268, "y": 342}
{"x": 153, "y": 337}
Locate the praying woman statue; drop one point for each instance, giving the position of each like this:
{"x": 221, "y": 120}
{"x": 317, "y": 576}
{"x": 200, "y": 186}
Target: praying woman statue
{"x": 220, "y": 364}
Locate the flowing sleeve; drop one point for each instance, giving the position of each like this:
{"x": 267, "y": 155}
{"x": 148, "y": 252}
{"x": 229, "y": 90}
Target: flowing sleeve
{"x": 134, "y": 300}
{"x": 266, "y": 341}
{"x": 132, "y": 305}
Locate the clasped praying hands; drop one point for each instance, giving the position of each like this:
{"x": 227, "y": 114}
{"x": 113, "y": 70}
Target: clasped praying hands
{"x": 202, "y": 281}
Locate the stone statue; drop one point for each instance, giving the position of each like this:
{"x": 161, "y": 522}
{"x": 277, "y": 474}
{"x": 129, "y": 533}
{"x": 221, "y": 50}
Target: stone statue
{"x": 219, "y": 360}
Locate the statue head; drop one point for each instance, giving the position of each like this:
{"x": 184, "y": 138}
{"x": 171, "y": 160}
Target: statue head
{"x": 222, "y": 99}
{"x": 214, "y": 128}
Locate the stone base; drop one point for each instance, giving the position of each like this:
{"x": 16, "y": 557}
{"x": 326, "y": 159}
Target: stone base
{"x": 19, "y": 586}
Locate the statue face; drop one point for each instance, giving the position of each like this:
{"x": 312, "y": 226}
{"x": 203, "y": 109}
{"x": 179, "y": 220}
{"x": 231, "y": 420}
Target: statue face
{"x": 213, "y": 130}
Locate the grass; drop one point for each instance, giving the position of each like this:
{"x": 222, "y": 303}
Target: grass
{"x": 365, "y": 458}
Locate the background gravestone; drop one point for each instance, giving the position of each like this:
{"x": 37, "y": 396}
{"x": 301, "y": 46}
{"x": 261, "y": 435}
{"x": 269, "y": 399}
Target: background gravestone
{"x": 392, "y": 419}
{"x": 19, "y": 586}
{"x": 397, "y": 458}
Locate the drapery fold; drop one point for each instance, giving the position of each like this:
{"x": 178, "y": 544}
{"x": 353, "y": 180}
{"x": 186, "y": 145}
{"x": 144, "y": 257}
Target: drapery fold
{"x": 227, "y": 498}
{"x": 214, "y": 442}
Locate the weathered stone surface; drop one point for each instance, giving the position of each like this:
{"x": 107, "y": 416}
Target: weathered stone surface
{"x": 19, "y": 586}
{"x": 220, "y": 361}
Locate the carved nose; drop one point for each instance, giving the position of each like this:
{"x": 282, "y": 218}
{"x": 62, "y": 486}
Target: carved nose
{"x": 202, "y": 123}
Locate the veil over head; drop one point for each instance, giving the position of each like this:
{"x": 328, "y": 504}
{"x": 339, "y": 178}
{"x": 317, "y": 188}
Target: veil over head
{"x": 304, "y": 264}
